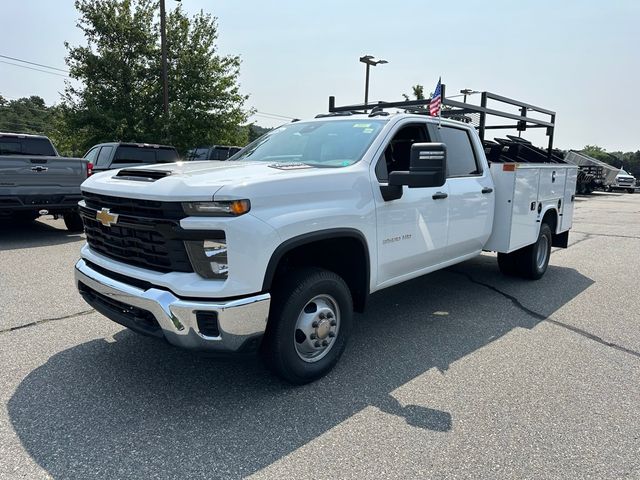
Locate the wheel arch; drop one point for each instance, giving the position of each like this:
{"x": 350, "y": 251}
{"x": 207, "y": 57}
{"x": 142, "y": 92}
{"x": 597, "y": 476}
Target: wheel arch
{"x": 550, "y": 217}
{"x": 343, "y": 251}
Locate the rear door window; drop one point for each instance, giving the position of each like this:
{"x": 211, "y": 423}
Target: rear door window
{"x": 104, "y": 156}
{"x": 461, "y": 159}
{"x": 10, "y": 146}
{"x": 166, "y": 155}
{"x": 91, "y": 155}
{"x": 134, "y": 155}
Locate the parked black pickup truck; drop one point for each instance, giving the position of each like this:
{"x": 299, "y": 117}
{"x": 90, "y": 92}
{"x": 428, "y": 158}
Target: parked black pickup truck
{"x": 107, "y": 156}
{"x": 35, "y": 180}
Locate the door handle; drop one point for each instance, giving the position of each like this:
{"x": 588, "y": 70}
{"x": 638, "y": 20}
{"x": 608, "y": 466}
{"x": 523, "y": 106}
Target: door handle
{"x": 439, "y": 195}
{"x": 487, "y": 190}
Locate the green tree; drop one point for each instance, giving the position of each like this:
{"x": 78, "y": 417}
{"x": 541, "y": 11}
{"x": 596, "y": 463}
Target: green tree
{"x": 25, "y": 115}
{"x": 418, "y": 93}
{"x": 596, "y": 152}
{"x": 120, "y": 92}
{"x": 113, "y": 101}
{"x": 256, "y": 131}
{"x": 205, "y": 103}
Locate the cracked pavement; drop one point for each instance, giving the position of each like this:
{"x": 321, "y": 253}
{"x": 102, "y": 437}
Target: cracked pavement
{"x": 463, "y": 373}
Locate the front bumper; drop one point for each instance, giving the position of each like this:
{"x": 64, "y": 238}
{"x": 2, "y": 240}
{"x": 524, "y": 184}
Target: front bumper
{"x": 241, "y": 322}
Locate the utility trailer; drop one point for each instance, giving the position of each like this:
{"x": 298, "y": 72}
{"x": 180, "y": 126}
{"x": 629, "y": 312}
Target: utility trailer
{"x": 593, "y": 174}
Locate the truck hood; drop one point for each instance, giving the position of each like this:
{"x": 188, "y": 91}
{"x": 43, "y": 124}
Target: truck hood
{"x": 190, "y": 181}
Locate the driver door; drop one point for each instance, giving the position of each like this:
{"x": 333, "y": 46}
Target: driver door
{"x": 412, "y": 229}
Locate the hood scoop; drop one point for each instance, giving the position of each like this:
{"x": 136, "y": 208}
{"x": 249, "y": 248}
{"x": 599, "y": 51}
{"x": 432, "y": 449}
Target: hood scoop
{"x": 142, "y": 175}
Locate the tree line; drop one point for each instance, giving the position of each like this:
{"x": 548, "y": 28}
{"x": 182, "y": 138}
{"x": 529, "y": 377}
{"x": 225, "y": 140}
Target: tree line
{"x": 117, "y": 92}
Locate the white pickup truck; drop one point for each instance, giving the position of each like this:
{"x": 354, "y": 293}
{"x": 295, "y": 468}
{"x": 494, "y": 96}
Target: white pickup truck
{"x": 275, "y": 248}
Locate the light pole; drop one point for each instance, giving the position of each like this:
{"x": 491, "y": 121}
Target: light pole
{"x": 163, "y": 49}
{"x": 369, "y": 61}
{"x": 465, "y": 92}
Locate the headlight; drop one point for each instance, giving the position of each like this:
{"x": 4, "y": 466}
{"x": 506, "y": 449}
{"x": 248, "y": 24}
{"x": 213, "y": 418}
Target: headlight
{"x": 209, "y": 257}
{"x": 231, "y": 208}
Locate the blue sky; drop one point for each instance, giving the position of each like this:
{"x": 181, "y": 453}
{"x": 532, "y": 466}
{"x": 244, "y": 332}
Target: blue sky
{"x": 579, "y": 58}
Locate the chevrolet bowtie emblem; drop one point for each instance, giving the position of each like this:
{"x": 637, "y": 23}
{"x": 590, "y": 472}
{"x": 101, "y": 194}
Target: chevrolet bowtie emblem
{"x": 106, "y": 218}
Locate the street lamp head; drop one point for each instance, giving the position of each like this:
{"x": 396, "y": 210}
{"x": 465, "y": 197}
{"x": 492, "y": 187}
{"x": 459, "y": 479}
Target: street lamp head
{"x": 371, "y": 60}
{"x": 467, "y": 91}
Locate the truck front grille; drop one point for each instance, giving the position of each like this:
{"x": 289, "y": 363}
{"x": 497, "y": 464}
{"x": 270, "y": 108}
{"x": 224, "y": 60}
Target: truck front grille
{"x": 144, "y": 235}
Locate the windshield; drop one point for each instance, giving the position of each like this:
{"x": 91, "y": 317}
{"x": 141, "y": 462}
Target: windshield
{"x": 331, "y": 143}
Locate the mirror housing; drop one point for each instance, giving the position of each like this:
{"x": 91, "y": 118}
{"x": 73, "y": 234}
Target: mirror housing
{"x": 427, "y": 168}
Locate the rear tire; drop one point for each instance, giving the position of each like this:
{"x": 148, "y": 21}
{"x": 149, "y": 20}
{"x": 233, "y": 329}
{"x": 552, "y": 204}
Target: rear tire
{"x": 73, "y": 222}
{"x": 529, "y": 262}
{"x": 309, "y": 307}
{"x": 534, "y": 259}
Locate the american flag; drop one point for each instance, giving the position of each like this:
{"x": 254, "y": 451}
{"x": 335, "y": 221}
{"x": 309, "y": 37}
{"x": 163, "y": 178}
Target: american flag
{"x": 436, "y": 100}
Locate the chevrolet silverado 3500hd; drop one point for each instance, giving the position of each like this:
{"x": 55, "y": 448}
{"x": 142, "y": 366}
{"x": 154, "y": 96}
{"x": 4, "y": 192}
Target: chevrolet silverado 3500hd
{"x": 276, "y": 247}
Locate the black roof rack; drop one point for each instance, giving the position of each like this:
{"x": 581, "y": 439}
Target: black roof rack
{"x": 470, "y": 113}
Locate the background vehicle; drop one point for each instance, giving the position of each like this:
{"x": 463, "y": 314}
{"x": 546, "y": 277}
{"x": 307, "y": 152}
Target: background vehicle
{"x": 107, "y": 156}
{"x": 594, "y": 174}
{"x": 276, "y": 248}
{"x": 213, "y": 152}
{"x": 34, "y": 180}
{"x": 623, "y": 181}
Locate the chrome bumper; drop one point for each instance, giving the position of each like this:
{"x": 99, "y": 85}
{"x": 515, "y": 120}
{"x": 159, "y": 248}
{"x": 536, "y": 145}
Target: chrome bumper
{"x": 241, "y": 322}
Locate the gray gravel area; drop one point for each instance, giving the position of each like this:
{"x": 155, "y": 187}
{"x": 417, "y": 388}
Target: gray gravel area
{"x": 463, "y": 373}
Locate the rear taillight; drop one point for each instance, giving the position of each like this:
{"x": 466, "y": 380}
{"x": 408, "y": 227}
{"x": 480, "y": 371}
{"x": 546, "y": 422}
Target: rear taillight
{"x": 89, "y": 169}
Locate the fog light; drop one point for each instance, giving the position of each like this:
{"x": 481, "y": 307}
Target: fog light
{"x": 209, "y": 257}
{"x": 216, "y": 252}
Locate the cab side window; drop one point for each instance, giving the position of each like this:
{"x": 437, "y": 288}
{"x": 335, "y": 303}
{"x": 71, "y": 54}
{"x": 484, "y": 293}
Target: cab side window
{"x": 397, "y": 154}
{"x": 461, "y": 158}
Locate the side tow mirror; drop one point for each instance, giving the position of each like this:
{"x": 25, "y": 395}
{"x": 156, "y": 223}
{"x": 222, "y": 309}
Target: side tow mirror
{"x": 427, "y": 168}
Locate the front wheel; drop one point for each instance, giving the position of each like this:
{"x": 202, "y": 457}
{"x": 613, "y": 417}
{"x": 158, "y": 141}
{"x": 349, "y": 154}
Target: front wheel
{"x": 631, "y": 190}
{"x": 309, "y": 324}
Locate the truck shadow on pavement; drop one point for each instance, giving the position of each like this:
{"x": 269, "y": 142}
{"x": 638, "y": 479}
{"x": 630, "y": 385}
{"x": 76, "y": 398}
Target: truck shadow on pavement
{"x": 133, "y": 407}
{"x": 19, "y": 235}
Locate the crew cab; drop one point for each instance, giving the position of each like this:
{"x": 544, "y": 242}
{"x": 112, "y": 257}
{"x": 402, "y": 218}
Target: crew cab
{"x": 35, "y": 179}
{"x": 112, "y": 155}
{"x": 277, "y": 247}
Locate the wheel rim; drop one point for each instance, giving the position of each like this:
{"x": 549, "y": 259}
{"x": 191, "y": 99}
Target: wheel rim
{"x": 543, "y": 249}
{"x": 317, "y": 328}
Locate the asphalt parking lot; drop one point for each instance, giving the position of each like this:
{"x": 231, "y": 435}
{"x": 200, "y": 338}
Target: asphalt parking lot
{"x": 460, "y": 374}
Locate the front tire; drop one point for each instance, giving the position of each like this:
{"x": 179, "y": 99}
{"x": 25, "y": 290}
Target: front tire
{"x": 309, "y": 325}
{"x": 631, "y": 190}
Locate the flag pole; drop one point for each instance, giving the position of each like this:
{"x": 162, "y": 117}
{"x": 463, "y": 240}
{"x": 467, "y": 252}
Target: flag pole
{"x": 442, "y": 89}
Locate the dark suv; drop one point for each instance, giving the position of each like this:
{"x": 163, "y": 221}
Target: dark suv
{"x": 107, "y": 156}
{"x": 212, "y": 152}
